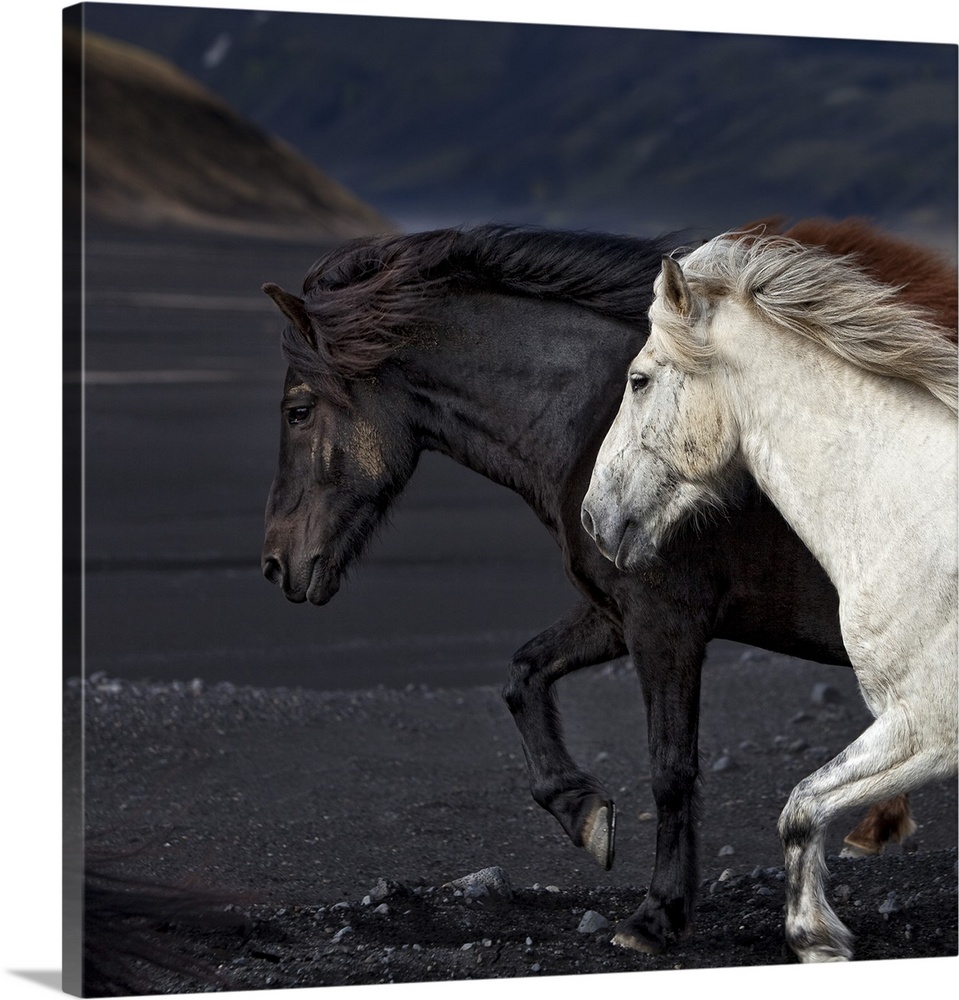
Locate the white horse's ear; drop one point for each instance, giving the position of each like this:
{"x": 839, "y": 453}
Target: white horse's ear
{"x": 293, "y": 308}
{"x": 675, "y": 288}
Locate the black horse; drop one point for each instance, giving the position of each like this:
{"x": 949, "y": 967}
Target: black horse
{"x": 506, "y": 349}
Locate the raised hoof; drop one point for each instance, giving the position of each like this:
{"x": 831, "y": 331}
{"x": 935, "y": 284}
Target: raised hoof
{"x": 853, "y": 850}
{"x": 599, "y": 834}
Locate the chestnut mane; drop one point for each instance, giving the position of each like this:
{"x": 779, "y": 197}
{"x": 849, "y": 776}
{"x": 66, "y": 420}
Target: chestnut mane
{"x": 923, "y": 276}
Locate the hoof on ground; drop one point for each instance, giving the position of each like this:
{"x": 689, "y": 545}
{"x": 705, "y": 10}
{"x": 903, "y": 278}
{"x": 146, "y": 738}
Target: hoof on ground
{"x": 819, "y": 955}
{"x": 599, "y": 834}
{"x": 628, "y": 939}
{"x": 834, "y": 945}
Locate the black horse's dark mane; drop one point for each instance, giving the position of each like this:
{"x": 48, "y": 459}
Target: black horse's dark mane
{"x": 365, "y": 296}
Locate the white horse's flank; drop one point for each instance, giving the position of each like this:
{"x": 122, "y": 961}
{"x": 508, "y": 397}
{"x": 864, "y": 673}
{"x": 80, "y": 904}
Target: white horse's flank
{"x": 777, "y": 359}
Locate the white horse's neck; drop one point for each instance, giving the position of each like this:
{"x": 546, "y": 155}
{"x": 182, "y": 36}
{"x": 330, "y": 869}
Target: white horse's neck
{"x": 855, "y": 463}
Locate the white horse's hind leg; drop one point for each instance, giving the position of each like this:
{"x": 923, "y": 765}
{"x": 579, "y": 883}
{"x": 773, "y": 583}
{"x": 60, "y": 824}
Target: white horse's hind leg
{"x": 892, "y": 756}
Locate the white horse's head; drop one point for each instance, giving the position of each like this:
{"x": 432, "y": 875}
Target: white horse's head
{"x": 669, "y": 452}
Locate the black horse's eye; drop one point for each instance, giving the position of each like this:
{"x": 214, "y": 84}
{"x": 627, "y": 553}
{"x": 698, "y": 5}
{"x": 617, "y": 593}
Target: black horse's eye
{"x": 638, "y": 381}
{"x": 297, "y": 414}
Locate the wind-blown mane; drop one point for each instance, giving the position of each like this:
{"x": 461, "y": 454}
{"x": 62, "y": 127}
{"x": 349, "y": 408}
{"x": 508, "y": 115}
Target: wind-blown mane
{"x": 366, "y": 297}
{"x": 818, "y": 295}
{"x": 923, "y": 275}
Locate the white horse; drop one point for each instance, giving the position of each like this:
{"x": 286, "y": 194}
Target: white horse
{"x": 779, "y": 360}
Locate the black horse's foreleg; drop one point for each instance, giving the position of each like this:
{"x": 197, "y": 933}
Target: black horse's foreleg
{"x": 581, "y": 638}
{"x": 671, "y": 687}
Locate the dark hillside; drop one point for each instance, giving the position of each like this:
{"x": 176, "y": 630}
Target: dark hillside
{"x": 613, "y": 128}
{"x": 159, "y": 149}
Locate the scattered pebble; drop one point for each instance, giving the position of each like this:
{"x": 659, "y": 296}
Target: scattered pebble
{"x": 493, "y": 880}
{"x": 592, "y": 922}
{"x": 383, "y": 889}
{"x": 825, "y": 694}
{"x": 889, "y": 905}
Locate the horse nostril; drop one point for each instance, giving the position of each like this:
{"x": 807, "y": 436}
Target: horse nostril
{"x": 273, "y": 571}
{"x": 588, "y": 523}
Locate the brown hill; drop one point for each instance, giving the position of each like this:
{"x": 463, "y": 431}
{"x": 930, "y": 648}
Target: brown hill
{"x": 159, "y": 149}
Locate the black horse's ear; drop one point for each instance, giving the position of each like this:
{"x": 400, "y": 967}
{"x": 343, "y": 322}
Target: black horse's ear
{"x": 293, "y": 308}
{"x": 675, "y": 289}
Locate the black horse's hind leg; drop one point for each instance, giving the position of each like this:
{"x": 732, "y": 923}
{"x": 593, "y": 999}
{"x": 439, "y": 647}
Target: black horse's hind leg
{"x": 670, "y": 668}
{"x": 581, "y": 638}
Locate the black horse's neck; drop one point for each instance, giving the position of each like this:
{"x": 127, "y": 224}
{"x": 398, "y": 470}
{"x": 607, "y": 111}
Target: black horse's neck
{"x": 519, "y": 390}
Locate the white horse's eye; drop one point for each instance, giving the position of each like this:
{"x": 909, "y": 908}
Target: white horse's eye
{"x": 637, "y": 381}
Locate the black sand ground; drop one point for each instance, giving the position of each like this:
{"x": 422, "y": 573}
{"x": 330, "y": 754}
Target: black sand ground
{"x": 334, "y": 822}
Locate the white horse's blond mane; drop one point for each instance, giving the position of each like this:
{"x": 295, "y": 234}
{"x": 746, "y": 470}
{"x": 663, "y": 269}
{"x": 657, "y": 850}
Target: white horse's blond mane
{"x": 818, "y": 295}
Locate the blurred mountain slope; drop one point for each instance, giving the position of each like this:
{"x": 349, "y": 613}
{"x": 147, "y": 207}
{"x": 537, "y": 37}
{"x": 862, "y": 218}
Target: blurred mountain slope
{"x": 568, "y": 125}
{"x": 159, "y": 149}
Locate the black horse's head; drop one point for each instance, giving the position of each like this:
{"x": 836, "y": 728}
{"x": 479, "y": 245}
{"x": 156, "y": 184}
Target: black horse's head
{"x": 403, "y": 343}
{"x": 346, "y": 451}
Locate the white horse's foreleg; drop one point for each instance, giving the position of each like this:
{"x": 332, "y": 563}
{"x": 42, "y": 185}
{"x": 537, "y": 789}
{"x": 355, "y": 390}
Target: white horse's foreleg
{"x": 892, "y": 756}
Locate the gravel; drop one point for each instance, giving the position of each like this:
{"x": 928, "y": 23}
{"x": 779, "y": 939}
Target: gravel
{"x": 362, "y": 837}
